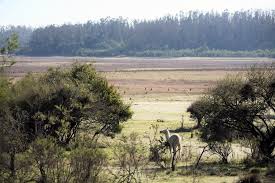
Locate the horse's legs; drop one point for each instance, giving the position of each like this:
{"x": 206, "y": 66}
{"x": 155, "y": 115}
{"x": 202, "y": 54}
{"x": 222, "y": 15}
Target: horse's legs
{"x": 179, "y": 147}
{"x": 170, "y": 149}
{"x": 174, "y": 151}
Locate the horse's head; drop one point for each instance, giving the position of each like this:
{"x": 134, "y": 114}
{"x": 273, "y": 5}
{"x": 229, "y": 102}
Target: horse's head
{"x": 166, "y": 131}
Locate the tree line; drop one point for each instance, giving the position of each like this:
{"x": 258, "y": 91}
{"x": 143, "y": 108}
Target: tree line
{"x": 194, "y": 33}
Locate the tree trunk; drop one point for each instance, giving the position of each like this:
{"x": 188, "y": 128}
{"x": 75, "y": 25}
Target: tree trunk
{"x": 173, "y": 166}
{"x": 224, "y": 160}
{"x": 43, "y": 178}
{"x": 266, "y": 149}
{"x": 198, "y": 124}
{"x": 199, "y": 159}
{"x": 12, "y": 165}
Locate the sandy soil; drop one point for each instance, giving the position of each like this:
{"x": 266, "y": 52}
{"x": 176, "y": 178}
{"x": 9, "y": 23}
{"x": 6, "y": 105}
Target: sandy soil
{"x": 135, "y": 76}
{"x": 37, "y": 64}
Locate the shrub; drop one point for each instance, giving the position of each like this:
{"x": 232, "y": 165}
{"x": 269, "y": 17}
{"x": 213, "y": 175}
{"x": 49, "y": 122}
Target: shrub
{"x": 51, "y": 163}
{"x": 270, "y": 171}
{"x": 131, "y": 158}
{"x": 239, "y": 108}
{"x": 223, "y": 149}
{"x": 87, "y": 165}
{"x": 157, "y": 148}
{"x": 60, "y": 102}
{"x": 47, "y": 158}
{"x": 251, "y": 178}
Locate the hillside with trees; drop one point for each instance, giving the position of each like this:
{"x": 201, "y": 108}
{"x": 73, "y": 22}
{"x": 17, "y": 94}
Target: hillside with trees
{"x": 194, "y": 33}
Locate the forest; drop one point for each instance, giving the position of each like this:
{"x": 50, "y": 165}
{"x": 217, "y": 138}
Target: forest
{"x": 194, "y": 33}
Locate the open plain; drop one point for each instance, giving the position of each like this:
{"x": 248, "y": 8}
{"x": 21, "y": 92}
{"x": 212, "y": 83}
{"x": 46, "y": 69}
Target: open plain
{"x": 142, "y": 76}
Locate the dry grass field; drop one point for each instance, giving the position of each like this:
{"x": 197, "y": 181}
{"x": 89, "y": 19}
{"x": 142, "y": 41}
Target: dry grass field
{"x": 160, "y": 88}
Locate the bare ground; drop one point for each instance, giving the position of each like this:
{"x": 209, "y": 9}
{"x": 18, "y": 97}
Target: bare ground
{"x": 135, "y": 76}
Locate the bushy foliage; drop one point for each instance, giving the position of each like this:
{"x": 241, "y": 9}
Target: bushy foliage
{"x": 45, "y": 161}
{"x": 242, "y": 108}
{"x": 198, "y": 110}
{"x": 61, "y": 102}
{"x": 46, "y": 157}
{"x": 222, "y": 149}
{"x": 131, "y": 158}
{"x": 251, "y": 178}
{"x": 158, "y": 148}
{"x": 88, "y": 164}
{"x": 41, "y": 114}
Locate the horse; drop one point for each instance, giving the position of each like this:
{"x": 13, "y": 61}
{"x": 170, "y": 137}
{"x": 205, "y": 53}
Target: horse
{"x": 174, "y": 142}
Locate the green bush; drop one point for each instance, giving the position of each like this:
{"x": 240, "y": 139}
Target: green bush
{"x": 87, "y": 164}
{"x": 238, "y": 109}
{"x": 61, "y": 102}
{"x": 41, "y": 114}
{"x": 251, "y": 178}
{"x": 131, "y": 157}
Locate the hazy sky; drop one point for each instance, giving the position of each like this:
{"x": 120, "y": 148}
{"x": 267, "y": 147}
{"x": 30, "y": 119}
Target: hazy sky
{"x": 44, "y": 12}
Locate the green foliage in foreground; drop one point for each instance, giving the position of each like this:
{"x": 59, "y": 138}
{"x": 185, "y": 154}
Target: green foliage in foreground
{"x": 57, "y": 105}
{"x": 61, "y": 102}
{"x": 45, "y": 161}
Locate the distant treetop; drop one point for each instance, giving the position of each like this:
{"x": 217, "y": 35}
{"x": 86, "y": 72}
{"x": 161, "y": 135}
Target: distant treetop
{"x": 237, "y": 31}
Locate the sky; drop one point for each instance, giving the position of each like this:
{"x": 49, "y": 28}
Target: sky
{"x": 37, "y": 13}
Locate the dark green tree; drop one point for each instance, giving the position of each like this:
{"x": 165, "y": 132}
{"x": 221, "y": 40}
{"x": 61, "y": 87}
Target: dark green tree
{"x": 59, "y": 105}
{"x": 198, "y": 110}
{"x": 61, "y": 102}
{"x": 9, "y": 47}
{"x": 244, "y": 109}
{"x": 11, "y": 138}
